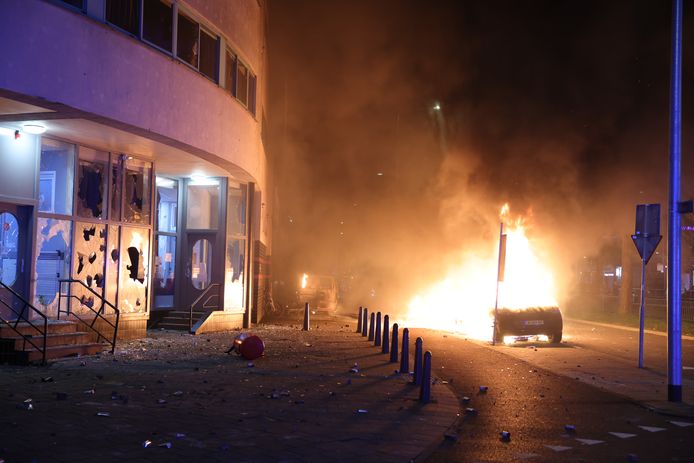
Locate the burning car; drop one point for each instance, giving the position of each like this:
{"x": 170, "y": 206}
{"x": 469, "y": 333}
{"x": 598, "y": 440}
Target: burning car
{"x": 320, "y": 291}
{"x": 532, "y": 321}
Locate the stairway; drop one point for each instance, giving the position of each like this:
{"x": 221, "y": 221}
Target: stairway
{"x": 62, "y": 340}
{"x": 179, "y": 320}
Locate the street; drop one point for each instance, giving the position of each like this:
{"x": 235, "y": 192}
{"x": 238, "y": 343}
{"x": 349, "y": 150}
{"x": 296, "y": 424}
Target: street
{"x": 534, "y": 392}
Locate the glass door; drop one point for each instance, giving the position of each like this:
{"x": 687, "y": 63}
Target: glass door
{"x": 14, "y": 265}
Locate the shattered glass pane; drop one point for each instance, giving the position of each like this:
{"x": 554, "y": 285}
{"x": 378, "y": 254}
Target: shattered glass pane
{"x": 116, "y": 186}
{"x": 91, "y": 185}
{"x": 112, "y": 264}
{"x": 53, "y": 263}
{"x": 138, "y": 178}
{"x": 88, "y": 264}
{"x": 134, "y": 266}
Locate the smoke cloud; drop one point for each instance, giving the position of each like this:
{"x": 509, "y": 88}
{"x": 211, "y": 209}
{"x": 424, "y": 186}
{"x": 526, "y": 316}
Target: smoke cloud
{"x": 558, "y": 108}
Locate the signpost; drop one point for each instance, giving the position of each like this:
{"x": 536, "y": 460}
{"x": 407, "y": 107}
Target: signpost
{"x": 499, "y": 275}
{"x": 646, "y": 238}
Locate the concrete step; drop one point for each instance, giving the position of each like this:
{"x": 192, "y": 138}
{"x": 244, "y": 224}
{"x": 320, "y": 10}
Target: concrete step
{"x": 175, "y": 325}
{"x": 54, "y": 326}
{"x": 53, "y": 339}
{"x": 55, "y": 352}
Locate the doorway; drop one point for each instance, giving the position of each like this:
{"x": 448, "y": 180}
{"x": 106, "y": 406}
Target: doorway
{"x": 15, "y": 233}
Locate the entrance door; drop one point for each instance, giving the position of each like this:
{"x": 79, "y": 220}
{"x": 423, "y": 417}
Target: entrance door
{"x": 200, "y": 270}
{"x": 14, "y": 264}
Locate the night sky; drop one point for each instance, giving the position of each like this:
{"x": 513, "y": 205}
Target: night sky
{"x": 559, "y": 108}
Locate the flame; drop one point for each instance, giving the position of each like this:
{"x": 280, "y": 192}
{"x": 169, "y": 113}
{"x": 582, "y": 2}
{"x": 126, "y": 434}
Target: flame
{"x": 464, "y": 300}
{"x": 304, "y": 281}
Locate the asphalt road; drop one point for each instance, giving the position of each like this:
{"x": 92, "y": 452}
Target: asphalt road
{"x": 536, "y": 404}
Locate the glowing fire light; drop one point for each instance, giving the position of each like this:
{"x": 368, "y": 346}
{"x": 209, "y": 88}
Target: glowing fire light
{"x": 304, "y": 281}
{"x": 464, "y": 299}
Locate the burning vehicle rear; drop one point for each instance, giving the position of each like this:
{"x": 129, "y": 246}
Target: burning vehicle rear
{"x": 320, "y": 291}
{"x": 533, "y": 321}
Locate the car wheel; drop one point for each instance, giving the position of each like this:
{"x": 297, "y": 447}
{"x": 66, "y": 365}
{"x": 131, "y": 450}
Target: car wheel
{"x": 555, "y": 338}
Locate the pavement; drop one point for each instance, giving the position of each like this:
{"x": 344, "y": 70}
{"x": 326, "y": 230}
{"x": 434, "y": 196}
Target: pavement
{"x": 317, "y": 395}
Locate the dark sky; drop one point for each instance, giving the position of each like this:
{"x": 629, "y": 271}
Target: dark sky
{"x": 559, "y": 108}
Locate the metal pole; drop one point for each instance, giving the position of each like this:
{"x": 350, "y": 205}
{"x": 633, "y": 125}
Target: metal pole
{"x": 372, "y": 325}
{"x": 377, "y": 334}
{"x": 307, "y": 315}
{"x": 385, "y": 347}
{"x": 642, "y": 313}
{"x": 365, "y": 322}
{"x": 498, "y": 271}
{"x": 361, "y": 310}
{"x": 394, "y": 345}
{"x": 674, "y": 296}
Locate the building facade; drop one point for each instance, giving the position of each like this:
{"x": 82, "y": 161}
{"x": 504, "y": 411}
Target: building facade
{"x": 132, "y": 163}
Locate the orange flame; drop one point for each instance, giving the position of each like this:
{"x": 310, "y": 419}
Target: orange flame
{"x": 304, "y": 281}
{"x": 465, "y": 298}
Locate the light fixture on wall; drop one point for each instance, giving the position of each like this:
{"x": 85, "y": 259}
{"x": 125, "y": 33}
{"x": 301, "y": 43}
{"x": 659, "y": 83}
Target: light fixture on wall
{"x": 35, "y": 129}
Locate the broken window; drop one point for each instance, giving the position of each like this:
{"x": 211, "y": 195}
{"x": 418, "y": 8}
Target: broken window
{"x": 92, "y": 185}
{"x": 112, "y": 264}
{"x": 235, "y": 261}
{"x": 167, "y": 205}
{"x": 134, "y": 267}
{"x": 88, "y": 264}
{"x": 116, "y": 189}
{"x": 53, "y": 263}
{"x": 138, "y": 176}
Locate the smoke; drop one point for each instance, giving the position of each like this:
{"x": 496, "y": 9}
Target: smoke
{"x": 558, "y": 110}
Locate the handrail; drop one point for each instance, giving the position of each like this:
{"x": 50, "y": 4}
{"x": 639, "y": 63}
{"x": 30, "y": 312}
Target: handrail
{"x": 195, "y": 302}
{"x": 26, "y": 338}
{"x": 98, "y": 314}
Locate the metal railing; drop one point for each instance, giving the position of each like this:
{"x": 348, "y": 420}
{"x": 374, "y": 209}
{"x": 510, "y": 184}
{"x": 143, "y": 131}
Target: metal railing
{"x": 98, "y": 314}
{"x": 27, "y": 338}
{"x": 205, "y": 294}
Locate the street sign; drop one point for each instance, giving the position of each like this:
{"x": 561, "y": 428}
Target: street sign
{"x": 647, "y": 234}
{"x": 646, "y": 238}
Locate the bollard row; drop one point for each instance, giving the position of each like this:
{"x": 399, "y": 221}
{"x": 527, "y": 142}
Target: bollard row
{"x": 389, "y": 344}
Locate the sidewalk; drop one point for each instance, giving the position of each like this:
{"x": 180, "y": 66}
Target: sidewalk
{"x": 194, "y": 402}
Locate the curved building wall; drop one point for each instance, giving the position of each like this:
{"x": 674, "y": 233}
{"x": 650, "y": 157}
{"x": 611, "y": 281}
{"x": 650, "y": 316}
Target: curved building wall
{"x": 64, "y": 56}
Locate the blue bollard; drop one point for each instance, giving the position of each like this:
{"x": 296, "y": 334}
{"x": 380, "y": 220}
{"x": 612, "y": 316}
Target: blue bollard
{"x": 394, "y": 345}
{"x": 377, "y": 339}
{"x": 372, "y": 324}
{"x": 306, "y": 317}
{"x": 425, "y": 391}
{"x": 365, "y": 322}
{"x": 405, "y": 356}
{"x": 386, "y": 341}
{"x": 359, "y": 319}
{"x": 417, "y": 379}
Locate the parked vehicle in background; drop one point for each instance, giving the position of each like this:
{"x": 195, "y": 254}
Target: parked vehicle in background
{"x": 320, "y": 291}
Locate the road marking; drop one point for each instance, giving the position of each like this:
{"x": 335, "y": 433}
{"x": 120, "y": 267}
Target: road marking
{"x": 688, "y": 368}
{"x": 526, "y": 456}
{"x": 590, "y": 441}
{"x": 682, "y": 424}
{"x": 623, "y": 435}
{"x": 651, "y": 428}
{"x": 558, "y": 448}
